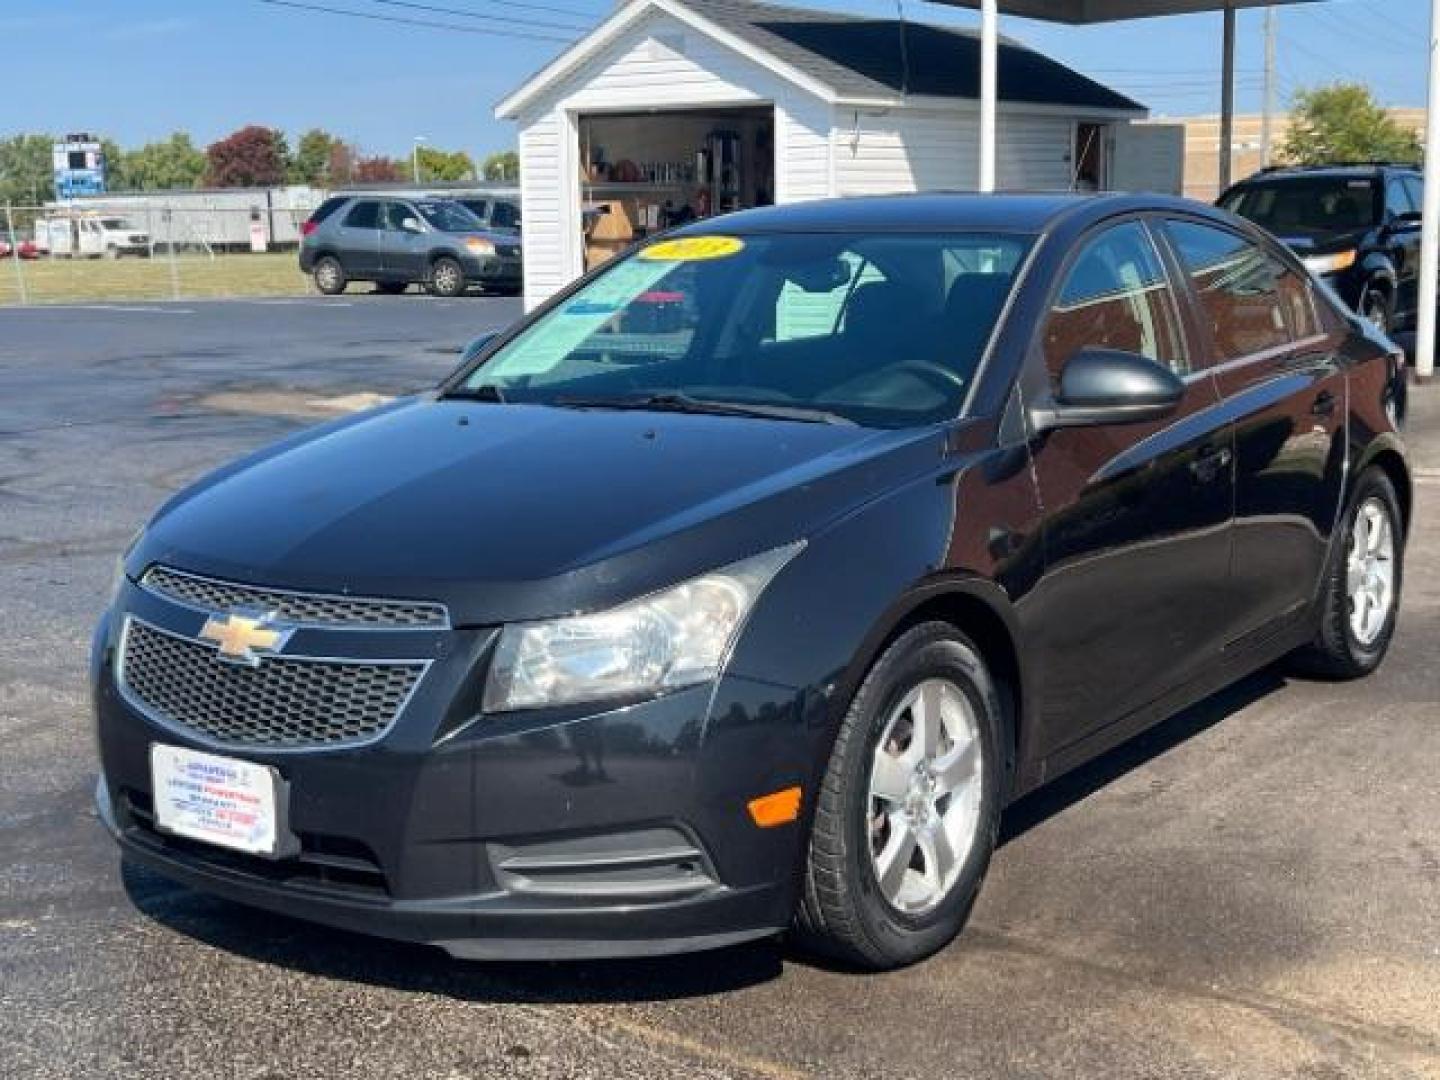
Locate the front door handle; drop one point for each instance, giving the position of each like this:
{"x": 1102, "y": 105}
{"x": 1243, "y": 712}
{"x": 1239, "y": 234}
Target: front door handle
{"x": 1324, "y": 404}
{"x": 1210, "y": 462}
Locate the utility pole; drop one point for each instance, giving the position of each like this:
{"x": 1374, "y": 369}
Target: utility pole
{"x": 1227, "y": 99}
{"x": 1267, "y": 119}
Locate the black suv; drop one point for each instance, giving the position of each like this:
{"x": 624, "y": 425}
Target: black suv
{"x": 1355, "y": 226}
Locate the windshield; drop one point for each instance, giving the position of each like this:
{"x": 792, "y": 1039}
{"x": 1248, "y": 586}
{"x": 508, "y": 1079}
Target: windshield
{"x": 1310, "y": 206}
{"x": 882, "y": 330}
{"x": 449, "y": 217}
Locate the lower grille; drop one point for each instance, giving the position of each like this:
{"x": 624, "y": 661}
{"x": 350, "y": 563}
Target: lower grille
{"x": 281, "y": 703}
{"x": 332, "y": 863}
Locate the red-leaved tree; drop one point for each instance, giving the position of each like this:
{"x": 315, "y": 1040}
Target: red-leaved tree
{"x": 254, "y": 156}
{"x": 378, "y": 170}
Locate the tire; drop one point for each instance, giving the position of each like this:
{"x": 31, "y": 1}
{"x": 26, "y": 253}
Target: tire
{"x": 447, "y": 277}
{"x": 329, "y": 275}
{"x": 850, "y": 908}
{"x": 112, "y": 252}
{"x": 1377, "y": 307}
{"x": 391, "y": 288}
{"x": 1347, "y": 645}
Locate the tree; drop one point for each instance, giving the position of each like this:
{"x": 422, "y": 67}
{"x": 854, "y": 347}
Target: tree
{"x": 378, "y": 170}
{"x": 27, "y": 176}
{"x": 116, "y": 178}
{"x": 313, "y": 155}
{"x": 1343, "y": 122}
{"x": 443, "y": 165}
{"x": 340, "y": 162}
{"x": 254, "y": 156}
{"x": 175, "y": 162}
{"x": 504, "y": 165}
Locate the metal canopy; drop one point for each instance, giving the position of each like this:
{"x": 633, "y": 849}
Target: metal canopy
{"x": 1097, "y": 11}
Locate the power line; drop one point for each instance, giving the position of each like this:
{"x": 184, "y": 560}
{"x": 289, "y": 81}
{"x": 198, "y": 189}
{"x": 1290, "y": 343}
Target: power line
{"x": 425, "y": 23}
{"x": 472, "y": 14}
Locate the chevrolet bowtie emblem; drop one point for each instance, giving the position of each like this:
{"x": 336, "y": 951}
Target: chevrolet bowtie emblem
{"x": 241, "y": 639}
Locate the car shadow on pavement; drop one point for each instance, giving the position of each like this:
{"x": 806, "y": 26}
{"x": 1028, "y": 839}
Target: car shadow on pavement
{"x": 1065, "y": 791}
{"x": 337, "y": 954}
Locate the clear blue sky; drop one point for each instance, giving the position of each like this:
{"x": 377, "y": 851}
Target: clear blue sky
{"x": 138, "y": 69}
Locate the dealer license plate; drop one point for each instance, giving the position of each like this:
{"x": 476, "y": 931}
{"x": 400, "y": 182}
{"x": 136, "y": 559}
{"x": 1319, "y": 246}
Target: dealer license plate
{"x": 219, "y": 800}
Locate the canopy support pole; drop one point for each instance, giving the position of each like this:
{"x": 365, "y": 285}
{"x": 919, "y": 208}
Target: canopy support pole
{"x": 989, "y": 50}
{"x": 1227, "y": 100}
{"x": 1430, "y": 224}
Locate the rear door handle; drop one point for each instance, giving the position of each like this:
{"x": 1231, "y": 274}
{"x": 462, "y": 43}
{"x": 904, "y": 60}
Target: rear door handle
{"x": 1324, "y": 404}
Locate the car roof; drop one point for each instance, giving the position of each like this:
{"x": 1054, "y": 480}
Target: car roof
{"x": 939, "y": 211}
{"x": 1357, "y": 170}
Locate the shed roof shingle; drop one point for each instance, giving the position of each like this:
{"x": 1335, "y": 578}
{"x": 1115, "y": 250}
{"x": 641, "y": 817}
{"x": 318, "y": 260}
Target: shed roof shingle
{"x": 864, "y": 57}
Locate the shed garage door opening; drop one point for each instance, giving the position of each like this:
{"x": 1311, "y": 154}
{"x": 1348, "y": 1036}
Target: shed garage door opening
{"x": 644, "y": 172}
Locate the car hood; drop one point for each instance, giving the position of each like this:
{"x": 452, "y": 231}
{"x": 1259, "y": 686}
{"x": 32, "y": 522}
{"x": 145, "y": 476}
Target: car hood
{"x": 517, "y": 511}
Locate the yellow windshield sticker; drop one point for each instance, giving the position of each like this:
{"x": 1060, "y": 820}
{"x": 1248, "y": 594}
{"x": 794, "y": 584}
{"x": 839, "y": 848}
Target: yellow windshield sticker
{"x": 693, "y": 249}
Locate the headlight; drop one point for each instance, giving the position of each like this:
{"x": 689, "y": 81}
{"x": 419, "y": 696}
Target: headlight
{"x": 678, "y": 637}
{"x": 117, "y": 579}
{"x": 1330, "y": 264}
{"x": 477, "y": 246}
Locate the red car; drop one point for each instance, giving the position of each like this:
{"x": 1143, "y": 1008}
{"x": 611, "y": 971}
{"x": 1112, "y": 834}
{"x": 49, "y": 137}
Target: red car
{"x": 27, "y": 249}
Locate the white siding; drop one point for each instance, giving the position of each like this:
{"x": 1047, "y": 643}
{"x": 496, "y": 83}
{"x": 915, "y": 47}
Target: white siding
{"x": 802, "y": 141}
{"x": 542, "y": 195}
{"x": 931, "y": 149}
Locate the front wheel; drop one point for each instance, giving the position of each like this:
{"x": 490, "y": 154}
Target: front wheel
{"x": 1375, "y": 308}
{"x": 447, "y": 277}
{"x": 909, "y": 808}
{"x": 1360, "y": 596}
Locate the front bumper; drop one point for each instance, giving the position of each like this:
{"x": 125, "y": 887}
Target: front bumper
{"x": 492, "y": 269}
{"x": 615, "y": 833}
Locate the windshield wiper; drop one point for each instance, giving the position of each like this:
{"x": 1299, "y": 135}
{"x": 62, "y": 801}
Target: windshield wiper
{"x": 679, "y": 402}
{"x": 483, "y": 392}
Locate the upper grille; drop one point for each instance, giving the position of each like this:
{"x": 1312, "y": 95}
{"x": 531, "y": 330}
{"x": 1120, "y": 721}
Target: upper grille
{"x": 281, "y": 703}
{"x": 300, "y": 609}
{"x": 507, "y": 251}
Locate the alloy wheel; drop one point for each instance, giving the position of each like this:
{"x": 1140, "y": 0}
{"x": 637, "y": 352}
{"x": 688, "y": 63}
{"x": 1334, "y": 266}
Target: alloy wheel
{"x": 925, "y": 791}
{"x": 1370, "y": 571}
{"x": 1375, "y": 311}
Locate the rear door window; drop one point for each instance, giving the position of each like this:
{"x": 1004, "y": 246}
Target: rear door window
{"x": 1250, "y": 300}
{"x": 365, "y": 214}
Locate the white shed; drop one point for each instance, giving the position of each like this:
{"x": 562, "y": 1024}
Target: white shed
{"x": 679, "y": 108}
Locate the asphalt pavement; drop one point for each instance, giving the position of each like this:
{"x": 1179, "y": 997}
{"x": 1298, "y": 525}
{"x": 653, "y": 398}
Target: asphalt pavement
{"x": 1251, "y": 890}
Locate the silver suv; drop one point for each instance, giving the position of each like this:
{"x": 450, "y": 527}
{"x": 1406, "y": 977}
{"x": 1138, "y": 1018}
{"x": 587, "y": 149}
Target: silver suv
{"x": 396, "y": 242}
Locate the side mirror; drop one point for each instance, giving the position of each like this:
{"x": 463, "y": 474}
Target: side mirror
{"x": 1107, "y": 386}
{"x": 411, "y": 224}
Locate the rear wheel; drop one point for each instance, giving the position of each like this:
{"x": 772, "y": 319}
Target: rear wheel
{"x": 909, "y": 807}
{"x": 329, "y": 275}
{"x": 447, "y": 277}
{"x": 1361, "y": 591}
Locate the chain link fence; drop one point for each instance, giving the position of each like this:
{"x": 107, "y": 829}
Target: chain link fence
{"x": 148, "y": 249}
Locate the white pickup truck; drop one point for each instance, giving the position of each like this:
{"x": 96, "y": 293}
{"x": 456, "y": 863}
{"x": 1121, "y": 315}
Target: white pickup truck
{"x": 90, "y": 237}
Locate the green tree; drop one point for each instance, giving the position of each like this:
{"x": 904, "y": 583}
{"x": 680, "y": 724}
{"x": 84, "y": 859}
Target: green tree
{"x": 27, "y": 176}
{"x": 442, "y": 165}
{"x": 175, "y": 162}
{"x": 115, "y": 176}
{"x": 1344, "y": 122}
{"x": 313, "y": 155}
{"x": 504, "y": 165}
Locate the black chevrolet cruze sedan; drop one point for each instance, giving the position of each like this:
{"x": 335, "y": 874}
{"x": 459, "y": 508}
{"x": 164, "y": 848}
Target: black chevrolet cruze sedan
{"x": 744, "y": 584}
